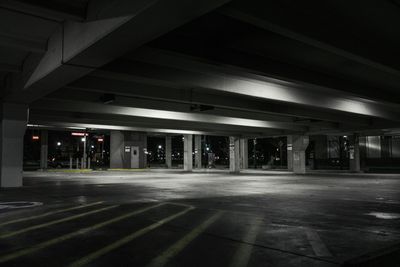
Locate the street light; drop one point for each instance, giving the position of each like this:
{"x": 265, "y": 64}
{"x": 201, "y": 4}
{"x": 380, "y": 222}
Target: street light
{"x": 58, "y": 143}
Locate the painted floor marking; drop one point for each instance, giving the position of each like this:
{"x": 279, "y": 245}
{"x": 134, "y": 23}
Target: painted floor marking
{"x": 95, "y": 255}
{"x": 68, "y": 236}
{"x": 317, "y": 244}
{"x": 242, "y": 256}
{"x": 66, "y": 219}
{"x": 177, "y": 247}
{"x": 50, "y": 213}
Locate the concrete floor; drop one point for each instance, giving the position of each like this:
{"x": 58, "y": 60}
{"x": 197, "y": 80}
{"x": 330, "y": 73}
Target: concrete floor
{"x": 172, "y": 218}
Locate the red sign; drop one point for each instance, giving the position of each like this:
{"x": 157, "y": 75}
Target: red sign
{"x": 79, "y": 134}
{"x": 35, "y": 137}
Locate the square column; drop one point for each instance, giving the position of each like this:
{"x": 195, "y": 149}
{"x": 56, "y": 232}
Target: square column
{"x": 197, "y": 151}
{"x": 12, "y": 130}
{"x": 354, "y": 153}
{"x": 44, "y": 148}
{"x": 244, "y": 153}
{"x": 234, "y": 154}
{"x": 187, "y": 152}
{"x": 168, "y": 151}
{"x": 127, "y": 150}
{"x": 289, "y": 148}
{"x": 299, "y": 146}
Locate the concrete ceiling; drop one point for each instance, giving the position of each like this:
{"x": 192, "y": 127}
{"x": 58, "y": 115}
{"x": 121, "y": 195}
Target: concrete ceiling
{"x": 253, "y": 68}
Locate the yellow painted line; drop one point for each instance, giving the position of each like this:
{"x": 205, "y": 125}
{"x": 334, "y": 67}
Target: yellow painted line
{"x": 70, "y": 218}
{"x": 50, "y": 213}
{"x": 65, "y": 237}
{"x": 242, "y": 256}
{"x": 177, "y": 247}
{"x": 89, "y": 258}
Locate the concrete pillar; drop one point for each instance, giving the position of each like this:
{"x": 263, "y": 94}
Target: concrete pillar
{"x": 44, "y": 148}
{"x": 234, "y": 154}
{"x": 299, "y": 146}
{"x": 289, "y": 152}
{"x": 187, "y": 152}
{"x": 354, "y": 153}
{"x": 12, "y": 130}
{"x": 84, "y": 159}
{"x": 244, "y": 153}
{"x": 127, "y": 150}
{"x": 197, "y": 151}
{"x": 168, "y": 151}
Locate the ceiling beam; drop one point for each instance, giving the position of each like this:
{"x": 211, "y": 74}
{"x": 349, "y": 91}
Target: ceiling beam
{"x": 9, "y": 68}
{"x": 271, "y": 19}
{"x": 159, "y": 67}
{"x": 22, "y": 43}
{"x": 96, "y": 83}
{"x": 104, "y": 122}
{"x": 87, "y": 107}
{"x": 51, "y": 10}
{"x": 76, "y": 49}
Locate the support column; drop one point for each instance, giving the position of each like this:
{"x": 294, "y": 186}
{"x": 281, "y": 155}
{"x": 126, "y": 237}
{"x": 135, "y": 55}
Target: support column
{"x": 299, "y": 146}
{"x": 244, "y": 153}
{"x": 234, "y": 154}
{"x": 12, "y": 130}
{"x": 289, "y": 149}
{"x": 354, "y": 153}
{"x": 84, "y": 159}
{"x": 44, "y": 148}
{"x": 168, "y": 151}
{"x": 127, "y": 150}
{"x": 197, "y": 151}
{"x": 116, "y": 150}
{"x": 187, "y": 152}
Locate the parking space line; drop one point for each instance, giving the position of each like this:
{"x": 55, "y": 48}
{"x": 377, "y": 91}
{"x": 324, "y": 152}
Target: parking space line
{"x": 50, "y": 213}
{"x": 68, "y": 236}
{"x": 317, "y": 244}
{"x": 242, "y": 256}
{"x": 93, "y": 256}
{"x": 66, "y": 219}
{"x": 177, "y": 247}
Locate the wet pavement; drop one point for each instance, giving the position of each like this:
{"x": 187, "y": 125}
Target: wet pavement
{"x": 172, "y": 218}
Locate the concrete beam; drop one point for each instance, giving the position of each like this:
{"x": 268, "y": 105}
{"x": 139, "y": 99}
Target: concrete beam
{"x": 23, "y": 43}
{"x": 86, "y": 107}
{"x": 76, "y": 49}
{"x": 9, "y": 68}
{"x": 272, "y": 21}
{"x": 171, "y": 69}
{"x": 46, "y": 9}
{"x": 122, "y": 84}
